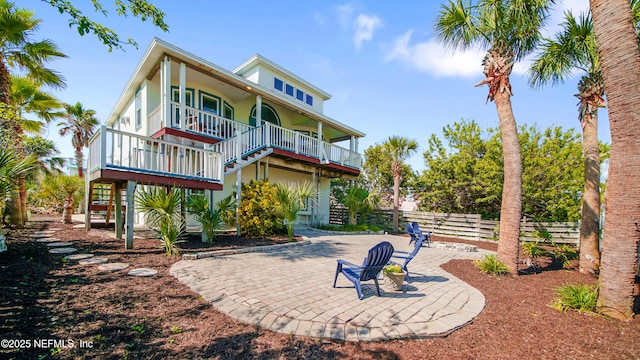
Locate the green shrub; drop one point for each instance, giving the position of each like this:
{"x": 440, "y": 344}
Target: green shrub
{"x": 491, "y": 265}
{"x": 259, "y": 212}
{"x": 565, "y": 253}
{"x": 533, "y": 249}
{"x": 582, "y": 298}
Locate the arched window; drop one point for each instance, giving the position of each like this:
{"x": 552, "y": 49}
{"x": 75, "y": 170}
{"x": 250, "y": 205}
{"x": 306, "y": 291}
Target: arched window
{"x": 268, "y": 114}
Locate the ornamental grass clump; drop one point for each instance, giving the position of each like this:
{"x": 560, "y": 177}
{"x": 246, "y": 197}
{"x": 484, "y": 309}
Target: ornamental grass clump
{"x": 491, "y": 265}
{"x": 580, "y": 297}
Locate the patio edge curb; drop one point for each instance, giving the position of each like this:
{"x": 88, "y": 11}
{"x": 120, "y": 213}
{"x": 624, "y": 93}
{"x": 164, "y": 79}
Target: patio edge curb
{"x": 206, "y": 254}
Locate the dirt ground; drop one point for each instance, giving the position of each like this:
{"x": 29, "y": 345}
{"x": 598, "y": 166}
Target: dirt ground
{"x": 45, "y": 303}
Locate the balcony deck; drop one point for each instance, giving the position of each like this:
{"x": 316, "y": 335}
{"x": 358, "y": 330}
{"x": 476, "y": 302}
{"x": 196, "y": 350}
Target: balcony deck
{"x": 119, "y": 156}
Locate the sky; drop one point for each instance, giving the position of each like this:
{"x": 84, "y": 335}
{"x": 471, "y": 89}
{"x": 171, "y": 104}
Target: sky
{"x": 380, "y": 61}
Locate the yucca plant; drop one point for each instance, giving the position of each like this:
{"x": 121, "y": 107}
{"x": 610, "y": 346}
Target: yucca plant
{"x": 580, "y": 297}
{"x": 292, "y": 198}
{"x": 162, "y": 213}
{"x": 491, "y": 265}
{"x": 210, "y": 219}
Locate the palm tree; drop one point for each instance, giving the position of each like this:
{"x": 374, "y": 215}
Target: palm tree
{"x": 163, "y": 212}
{"x": 575, "y": 48}
{"x": 11, "y": 168}
{"x": 508, "y": 30}
{"x": 17, "y": 50}
{"x": 613, "y": 26}
{"x": 398, "y": 149}
{"x": 358, "y": 199}
{"x": 27, "y": 97}
{"x": 292, "y": 198}
{"x": 80, "y": 123}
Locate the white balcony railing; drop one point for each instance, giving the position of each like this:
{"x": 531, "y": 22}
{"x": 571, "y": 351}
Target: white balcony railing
{"x": 114, "y": 149}
{"x": 206, "y": 123}
{"x": 242, "y": 139}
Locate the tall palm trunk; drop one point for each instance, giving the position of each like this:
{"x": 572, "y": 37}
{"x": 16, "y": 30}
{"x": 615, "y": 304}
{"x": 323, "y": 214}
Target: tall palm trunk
{"x": 618, "y": 48}
{"x": 511, "y": 209}
{"x": 589, "y": 227}
{"x": 79, "y": 161}
{"x": 12, "y": 129}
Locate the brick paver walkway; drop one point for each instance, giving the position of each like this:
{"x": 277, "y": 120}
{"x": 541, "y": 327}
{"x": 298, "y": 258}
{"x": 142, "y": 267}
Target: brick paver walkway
{"x": 290, "y": 290}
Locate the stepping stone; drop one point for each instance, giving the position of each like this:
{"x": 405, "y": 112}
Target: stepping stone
{"x": 59, "y": 244}
{"x": 38, "y": 236}
{"x": 63, "y": 250}
{"x": 143, "y": 272}
{"x": 47, "y": 240}
{"x": 55, "y": 229}
{"x": 78, "y": 256}
{"x": 92, "y": 261}
{"x": 113, "y": 266}
{"x": 79, "y": 226}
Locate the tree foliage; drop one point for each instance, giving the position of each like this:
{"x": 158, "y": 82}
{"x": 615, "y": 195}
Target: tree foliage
{"x": 142, "y": 9}
{"x": 465, "y": 175}
{"x": 378, "y": 175}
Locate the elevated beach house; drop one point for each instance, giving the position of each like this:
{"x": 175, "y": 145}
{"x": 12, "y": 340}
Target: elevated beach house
{"x": 184, "y": 121}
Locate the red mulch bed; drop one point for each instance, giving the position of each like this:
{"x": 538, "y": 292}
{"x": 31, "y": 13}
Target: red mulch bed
{"x": 42, "y": 297}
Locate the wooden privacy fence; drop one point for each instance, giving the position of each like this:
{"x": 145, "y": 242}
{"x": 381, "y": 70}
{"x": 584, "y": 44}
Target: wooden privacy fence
{"x": 464, "y": 226}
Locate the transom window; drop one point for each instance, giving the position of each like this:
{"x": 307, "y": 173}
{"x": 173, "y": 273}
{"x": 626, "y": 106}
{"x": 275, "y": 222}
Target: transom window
{"x": 268, "y": 114}
{"x": 292, "y": 91}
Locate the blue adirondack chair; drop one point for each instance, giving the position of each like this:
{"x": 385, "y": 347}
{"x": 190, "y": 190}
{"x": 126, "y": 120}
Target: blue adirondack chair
{"x": 377, "y": 258}
{"x": 407, "y": 257}
{"x": 413, "y": 229}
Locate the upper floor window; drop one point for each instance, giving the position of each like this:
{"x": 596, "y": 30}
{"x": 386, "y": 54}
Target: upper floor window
{"x": 278, "y": 84}
{"x": 209, "y": 103}
{"x": 292, "y": 91}
{"x": 288, "y": 89}
{"x": 227, "y": 111}
{"x": 175, "y": 95}
{"x": 138, "y": 109}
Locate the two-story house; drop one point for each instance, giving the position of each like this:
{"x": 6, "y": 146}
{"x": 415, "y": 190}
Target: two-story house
{"x": 184, "y": 121}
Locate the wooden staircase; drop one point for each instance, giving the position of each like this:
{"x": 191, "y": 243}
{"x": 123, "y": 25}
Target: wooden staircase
{"x": 101, "y": 200}
{"x": 235, "y": 165}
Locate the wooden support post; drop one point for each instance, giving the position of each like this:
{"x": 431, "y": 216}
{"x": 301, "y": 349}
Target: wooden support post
{"x": 118, "y": 197}
{"x": 131, "y": 190}
{"x": 87, "y": 207}
{"x": 110, "y": 204}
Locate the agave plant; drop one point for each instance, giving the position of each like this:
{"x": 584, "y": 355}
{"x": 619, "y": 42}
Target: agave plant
{"x": 162, "y": 213}
{"x": 292, "y": 197}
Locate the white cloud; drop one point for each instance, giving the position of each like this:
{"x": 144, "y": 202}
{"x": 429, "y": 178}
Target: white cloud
{"x": 432, "y": 58}
{"x": 365, "y": 25}
{"x": 345, "y": 13}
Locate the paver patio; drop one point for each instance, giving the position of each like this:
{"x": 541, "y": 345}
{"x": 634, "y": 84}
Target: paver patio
{"x": 290, "y": 290}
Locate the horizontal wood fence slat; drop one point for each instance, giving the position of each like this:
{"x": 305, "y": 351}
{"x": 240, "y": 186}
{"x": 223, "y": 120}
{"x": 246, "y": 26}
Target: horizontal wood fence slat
{"x": 464, "y": 226}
